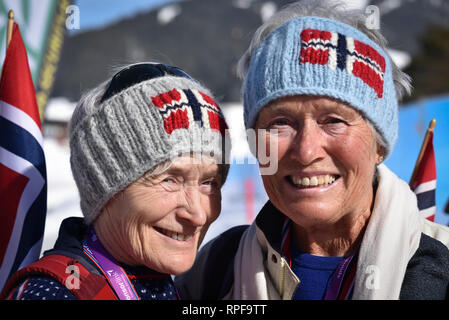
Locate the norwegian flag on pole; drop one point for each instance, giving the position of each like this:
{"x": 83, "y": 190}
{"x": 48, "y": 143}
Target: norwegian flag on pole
{"x": 425, "y": 181}
{"x": 23, "y": 186}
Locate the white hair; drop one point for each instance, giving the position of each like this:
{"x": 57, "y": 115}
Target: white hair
{"x": 333, "y": 10}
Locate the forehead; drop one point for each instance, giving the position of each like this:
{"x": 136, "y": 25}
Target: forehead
{"x": 198, "y": 163}
{"x": 309, "y": 103}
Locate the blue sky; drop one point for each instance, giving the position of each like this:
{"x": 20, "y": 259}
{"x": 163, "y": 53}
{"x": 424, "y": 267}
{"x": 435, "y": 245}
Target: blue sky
{"x": 96, "y": 13}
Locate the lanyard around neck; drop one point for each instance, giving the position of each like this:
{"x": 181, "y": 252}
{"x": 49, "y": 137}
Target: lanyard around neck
{"x": 342, "y": 280}
{"x": 116, "y": 276}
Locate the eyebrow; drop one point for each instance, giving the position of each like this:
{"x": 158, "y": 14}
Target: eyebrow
{"x": 177, "y": 170}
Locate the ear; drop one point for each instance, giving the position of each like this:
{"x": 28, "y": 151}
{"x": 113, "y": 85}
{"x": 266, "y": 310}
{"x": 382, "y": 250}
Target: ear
{"x": 380, "y": 153}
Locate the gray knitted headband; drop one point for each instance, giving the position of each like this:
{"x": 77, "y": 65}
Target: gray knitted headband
{"x": 115, "y": 142}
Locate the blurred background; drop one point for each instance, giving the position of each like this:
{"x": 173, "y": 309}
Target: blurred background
{"x": 74, "y": 45}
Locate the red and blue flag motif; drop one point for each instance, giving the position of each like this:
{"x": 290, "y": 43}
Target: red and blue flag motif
{"x": 345, "y": 53}
{"x": 181, "y": 108}
{"x": 23, "y": 186}
{"x": 425, "y": 182}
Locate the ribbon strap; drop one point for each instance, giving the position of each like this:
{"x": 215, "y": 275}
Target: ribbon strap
{"x": 115, "y": 274}
{"x": 335, "y": 286}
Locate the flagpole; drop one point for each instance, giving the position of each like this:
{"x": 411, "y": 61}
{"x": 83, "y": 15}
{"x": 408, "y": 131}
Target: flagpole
{"x": 421, "y": 152}
{"x": 9, "y": 28}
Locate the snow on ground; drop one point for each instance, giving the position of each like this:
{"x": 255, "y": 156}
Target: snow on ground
{"x": 63, "y": 199}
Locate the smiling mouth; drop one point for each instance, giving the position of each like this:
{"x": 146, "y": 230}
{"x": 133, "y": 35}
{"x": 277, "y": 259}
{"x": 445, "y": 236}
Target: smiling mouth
{"x": 174, "y": 235}
{"x": 313, "y": 181}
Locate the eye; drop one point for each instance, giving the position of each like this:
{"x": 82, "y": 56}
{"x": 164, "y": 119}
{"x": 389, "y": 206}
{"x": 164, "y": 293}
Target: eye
{"x": 332, "y": 120}
{"x": 209, "y": 186}
{"x": 170, "y": 183}
{"x": 279, "y": 122}
{"x": 333, "y": 124}
{"x": 335, "y": 120}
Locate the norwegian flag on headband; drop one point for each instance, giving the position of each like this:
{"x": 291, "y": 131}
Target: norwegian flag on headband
{"x": 181, "y": 108}
{"x": 345, "y": 53}
{"x": 425, "y": 182}
{"x": 23, "y": 186}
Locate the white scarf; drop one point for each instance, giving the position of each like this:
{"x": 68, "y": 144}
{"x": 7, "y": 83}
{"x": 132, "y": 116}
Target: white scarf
{"x": 390, "y": 240}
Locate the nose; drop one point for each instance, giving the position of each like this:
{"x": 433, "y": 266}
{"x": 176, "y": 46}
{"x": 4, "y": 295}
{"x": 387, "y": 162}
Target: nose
{"x": 307, "y": 147}
{"x": 192, "y": 209}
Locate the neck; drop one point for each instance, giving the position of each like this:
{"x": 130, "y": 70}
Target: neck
{"x": 337, "y": 239}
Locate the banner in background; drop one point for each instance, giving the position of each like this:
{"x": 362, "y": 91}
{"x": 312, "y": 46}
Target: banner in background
{"x": 425, "y": 182}
{"x": 23, "y": 177}
{"x": 43, "y": 26}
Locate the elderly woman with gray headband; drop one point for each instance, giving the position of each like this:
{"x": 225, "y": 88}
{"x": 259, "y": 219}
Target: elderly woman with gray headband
{"x": 338, "y": 224}
{"x": 148, "y": 155}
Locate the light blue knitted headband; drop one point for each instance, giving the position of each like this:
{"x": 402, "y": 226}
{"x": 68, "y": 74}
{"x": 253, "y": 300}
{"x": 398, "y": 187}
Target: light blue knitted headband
{"x": 317, "y": 56}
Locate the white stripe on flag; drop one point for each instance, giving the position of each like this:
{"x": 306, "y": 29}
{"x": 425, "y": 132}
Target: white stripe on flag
{"x": 426, "y": 186}
{"x": 29, "y": 195}
{"x": 21, "y": 119}
{"x": 428, "y": 212}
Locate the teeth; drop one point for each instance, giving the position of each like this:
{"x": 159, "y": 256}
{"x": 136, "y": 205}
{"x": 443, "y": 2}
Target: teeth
{"x": 305, "y": 181}
{"x": 313, "y": 181}
{"x": 176, "y": 236}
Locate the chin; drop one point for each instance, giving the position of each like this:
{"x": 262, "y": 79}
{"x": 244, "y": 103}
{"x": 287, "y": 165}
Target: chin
{"x": 309, "y": 213}
{"x": 179, "y": 268}
{"x": 176, "y": 265}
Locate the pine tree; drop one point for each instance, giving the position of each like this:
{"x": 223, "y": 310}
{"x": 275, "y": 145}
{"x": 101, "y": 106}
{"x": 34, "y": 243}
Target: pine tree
{"x": 429, "y": 69}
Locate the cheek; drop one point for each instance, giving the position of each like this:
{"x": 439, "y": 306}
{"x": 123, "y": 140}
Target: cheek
{"x": 212, "y": 205}
{"x": 272, "y": 147}
{"x": 149, "y": 204}
{"x": 270, "y": 183}
{"x": 356, "y": 150}
{"x": 356, "y": 157}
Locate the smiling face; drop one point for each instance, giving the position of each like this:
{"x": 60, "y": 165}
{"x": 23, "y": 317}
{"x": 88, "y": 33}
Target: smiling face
{"x": 326, "y": 159}
{"x": 160, "y": 221}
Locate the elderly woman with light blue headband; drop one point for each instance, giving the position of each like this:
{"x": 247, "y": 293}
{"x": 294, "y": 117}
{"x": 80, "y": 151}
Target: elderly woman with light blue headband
{"x": 321, "y": 87}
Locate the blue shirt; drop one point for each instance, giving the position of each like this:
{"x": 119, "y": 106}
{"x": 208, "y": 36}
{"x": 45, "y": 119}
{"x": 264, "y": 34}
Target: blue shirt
{"x": 314, "y": 273}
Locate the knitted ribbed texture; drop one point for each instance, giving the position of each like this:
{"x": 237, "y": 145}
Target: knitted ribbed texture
{"x": 317, "y": 56}
{"x": 116, "y": 142}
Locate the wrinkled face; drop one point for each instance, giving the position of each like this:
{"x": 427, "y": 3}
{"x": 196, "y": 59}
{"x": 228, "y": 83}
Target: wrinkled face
{"x": 160, "y": 221}
{"x": 326, "y": 159}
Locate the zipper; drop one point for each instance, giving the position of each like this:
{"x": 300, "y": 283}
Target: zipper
{"x": 282, "y": 284}
{"x": 284, "y": 267}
